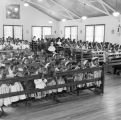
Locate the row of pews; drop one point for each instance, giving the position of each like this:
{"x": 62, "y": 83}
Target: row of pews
{"x": 84, "y": 82}
{"x": 113, "y": 64}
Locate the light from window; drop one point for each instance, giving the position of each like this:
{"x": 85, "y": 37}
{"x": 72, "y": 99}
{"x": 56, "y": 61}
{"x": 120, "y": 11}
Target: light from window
{"x": 18, "y": 32}
{"x": 71, "y": 32}
{"x": 67, "y": 32}
{"x": 13, "y": 31}
{"x": 74, "y": 33}
{"x": 95, "y": 33}
{"x": 36, "y": 31}
{"x": 8, "y": 31}
{"x": 47, "y": 31}
{"x": 99, "y": 33}
{"x": 89, "y": 33}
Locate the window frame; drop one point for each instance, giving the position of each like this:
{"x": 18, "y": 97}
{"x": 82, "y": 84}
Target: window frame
{"x": 94, "y": 25}
{"x": 41, "y": 30}
{"x": 70, "y": 31}
{"x": 32, "y": 31}
{"x": 12, "y": 29}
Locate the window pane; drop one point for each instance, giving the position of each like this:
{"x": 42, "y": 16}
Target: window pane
{"x": 74, "y": 33}
{"x": 99, "y": 33}
{"x": 47, "y": 31}
{"x": 8, "y": 31}
{"x": 67, "y": 32}
{"x": 18, "y": 32}
{"x": 89, "y": 33}
{"x": 36, "y": 31}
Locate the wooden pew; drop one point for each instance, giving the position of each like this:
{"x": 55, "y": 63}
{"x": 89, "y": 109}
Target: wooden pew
{"x": 71, "y": 72}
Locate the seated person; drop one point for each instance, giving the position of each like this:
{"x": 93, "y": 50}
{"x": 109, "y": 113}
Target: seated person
{"x": 51, "y": 48}
{"x": 59, "y": 42}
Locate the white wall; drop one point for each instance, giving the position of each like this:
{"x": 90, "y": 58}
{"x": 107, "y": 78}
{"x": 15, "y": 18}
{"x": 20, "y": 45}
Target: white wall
{"x": 109, "y": 21}
{"x": 29, "y": 17}
{"x": 32, "y": 17}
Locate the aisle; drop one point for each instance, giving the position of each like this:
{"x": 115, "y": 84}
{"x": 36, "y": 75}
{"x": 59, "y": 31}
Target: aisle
{"x": 86, "y": 107}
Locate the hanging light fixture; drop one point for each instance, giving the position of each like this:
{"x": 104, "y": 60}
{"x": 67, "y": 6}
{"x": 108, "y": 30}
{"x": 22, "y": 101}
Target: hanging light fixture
{"x": 116, "y": 13}
{"x": 50, "y": 22}
{"x": 40, "y": 0}
{"x": 63, "y": 20}
{"x": 84, "y": 17}
{"x": 26, "y": 4}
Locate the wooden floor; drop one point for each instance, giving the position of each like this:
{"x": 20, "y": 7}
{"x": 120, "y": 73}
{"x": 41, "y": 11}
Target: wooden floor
{"x": 86, "y": 107}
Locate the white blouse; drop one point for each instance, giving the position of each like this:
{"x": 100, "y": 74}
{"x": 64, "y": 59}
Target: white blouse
{"x": 51, "y": 49}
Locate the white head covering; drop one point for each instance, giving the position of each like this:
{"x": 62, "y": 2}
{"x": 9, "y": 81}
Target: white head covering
{"x": 85, "y": 62}
{"x": 20, "y": 69}
{"x": 94, "y": 58}
{"x": 66, "y": 63}
{"x": 54, "y": 54}
{"x": 2, "y": 65}
{"x": 47, "y": 65}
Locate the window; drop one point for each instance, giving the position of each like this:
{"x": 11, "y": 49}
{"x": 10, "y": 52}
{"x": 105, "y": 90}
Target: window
{"x": 71, "y": 32}
{"x": 47, "y": 31}
{"x": 99, "y": 33}
{"x": 67, "y": 32}
{"x": 37, "y": 31}
{"x": 95, "y": 33}
{"x": 74, "y": 33}
{"x": 89, "y": 33}
{"x": 8, "y": 31}
{"x": 18, "y": 32}
{"x": 14, "y": 31}
{"x": 41, "y": 31}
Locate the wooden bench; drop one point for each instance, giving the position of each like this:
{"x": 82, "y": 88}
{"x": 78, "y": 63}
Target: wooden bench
{"x": 55, "y": 97}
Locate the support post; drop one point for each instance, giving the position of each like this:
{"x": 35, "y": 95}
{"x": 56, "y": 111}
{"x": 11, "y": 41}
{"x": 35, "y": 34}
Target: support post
{"x": 54, "y": 97}
{"x": 102, "y": 78}
{"x": 2, "y": 112}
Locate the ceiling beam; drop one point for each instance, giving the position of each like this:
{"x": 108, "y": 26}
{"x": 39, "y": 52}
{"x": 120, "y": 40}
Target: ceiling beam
{"x": 66, "y": 16}
{"x": 111, "y": 8}
{"x": 69, "y": 11}
{"x": 92, "y": 6}
{"x": 45, "y": 12}
{"x": 101, "y": 2}
{"x": 40, "y": 10}
{"x": 41, "y": 6}
{"x": 70, "y": 15}
{"x": 63, "y": 8}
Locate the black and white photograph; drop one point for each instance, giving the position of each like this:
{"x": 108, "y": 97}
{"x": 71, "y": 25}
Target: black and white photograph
{"x": 60, "y": 59}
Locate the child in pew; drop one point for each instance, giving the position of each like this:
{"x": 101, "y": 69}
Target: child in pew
{"x": 60, "y": 81}
{"x": 51, "y": 82}
{"x": 79, "y": 76}
{"x": 5, "y": 89}
{"x": 97, "y": 74}
{"x": 17, "y": 86}
{"x": 88, "y": 75}
{"x": 40, "y": 84}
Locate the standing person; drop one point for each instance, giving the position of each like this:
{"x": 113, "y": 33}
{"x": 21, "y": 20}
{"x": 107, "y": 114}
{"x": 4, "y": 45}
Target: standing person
{"x": 34, "y": 39}
{"x": 34, "y": 45}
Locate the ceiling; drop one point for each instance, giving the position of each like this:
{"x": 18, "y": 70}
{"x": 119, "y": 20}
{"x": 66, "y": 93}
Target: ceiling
{"x": 75, "y": 9}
